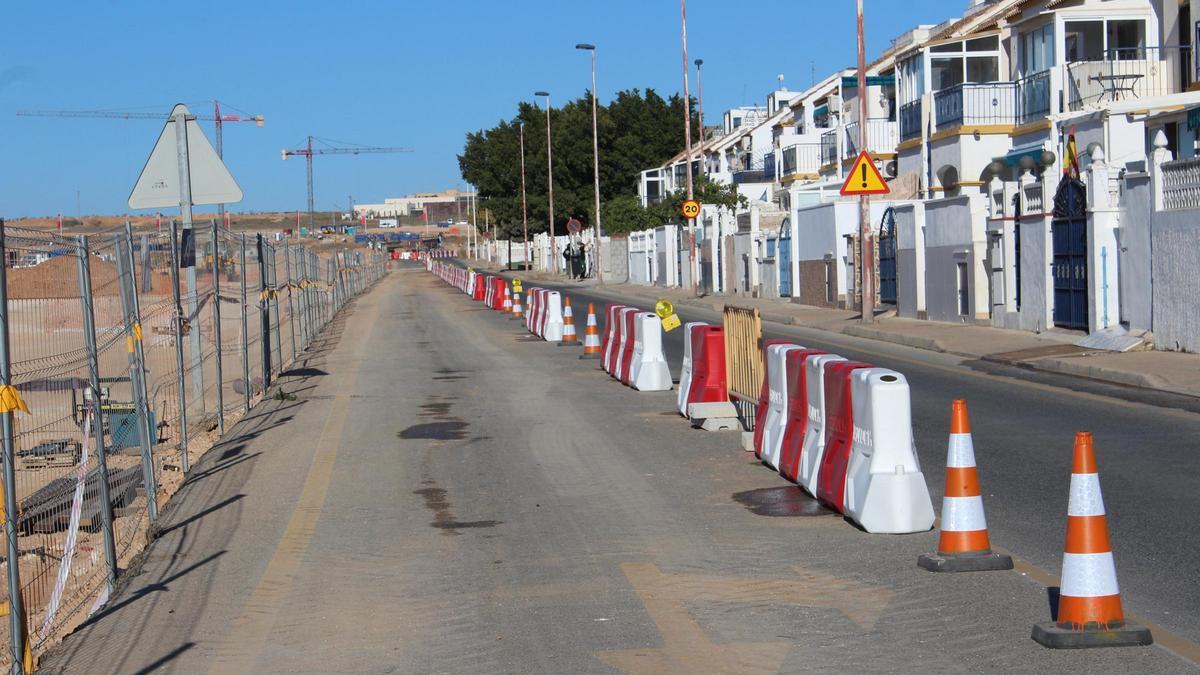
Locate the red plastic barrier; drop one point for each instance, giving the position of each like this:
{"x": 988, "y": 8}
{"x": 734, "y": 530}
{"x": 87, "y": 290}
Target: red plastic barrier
{"x": 760, "y": 413}
{"x": 839, "y": 431}
{"x": 797, "y": 412}
{"x": 612, "y": 335}
{"x": 543, "y": 311}
{"x": 627, "y": 352}
{"x": 708, "y": 366}
{"x": 498, "y": 285}
{"x": 479, "y": 288}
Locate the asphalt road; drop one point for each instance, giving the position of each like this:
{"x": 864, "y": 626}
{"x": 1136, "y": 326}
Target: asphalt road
{"x": 1023, "y": 425}
{"x": 447, "y": 494}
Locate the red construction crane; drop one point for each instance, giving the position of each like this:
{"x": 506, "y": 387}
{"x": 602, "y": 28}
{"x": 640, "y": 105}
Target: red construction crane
{"x": 308, "y": 151}
{"x": 216, "y": 118}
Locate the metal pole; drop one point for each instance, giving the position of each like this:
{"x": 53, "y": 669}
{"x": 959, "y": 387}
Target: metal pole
{"x": 287, "y": 264}
{"x": 303, "y": 295}
{"x": 524, "y": 210}
{"x": 137, "y": 368}
{"x": 185, "y": 209}
{"x": 687, "y": 139}
{"x": 245, "y": 332}
{"x": 867, "y": 256}
{"x": 264, "y": 314}
{"x": 96, "y": 409}
{"x": 16, "y": 606}
{"x": 273, "y": 309}
{"x": 700, "y": 113}
{"x": 178, "y": 327}
{"x": 550, "y": 180}
{"x": 220, "y": 149}
{"x": 596, "y": 180}
{"x": 216, "y": 290}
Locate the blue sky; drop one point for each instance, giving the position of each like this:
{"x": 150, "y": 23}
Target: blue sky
{"x": 400, "y": 73}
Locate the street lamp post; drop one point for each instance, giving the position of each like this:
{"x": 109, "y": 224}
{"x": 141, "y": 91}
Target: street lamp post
{"x": 550, "y": 182}
{"x": 524, "y": 210}
{"x": 595, "y": 165}
{"x": 700, "y": 112}
{"x": 687, "y": 137}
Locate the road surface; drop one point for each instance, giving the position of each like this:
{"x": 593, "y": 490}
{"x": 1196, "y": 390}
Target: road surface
{"x": 447, "y": 494}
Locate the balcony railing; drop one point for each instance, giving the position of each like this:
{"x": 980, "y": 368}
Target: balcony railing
{"x": 829, "y": 147}
{"x": 1033, "y": 97}
{"x": 910, "y": 120}
{"x": 756, "y": 173}
{"x": 882, "y": 137}
{"x": 976, "y": 103}
{"x": 801, "y": 158}
{"x": 1126, "y": 74}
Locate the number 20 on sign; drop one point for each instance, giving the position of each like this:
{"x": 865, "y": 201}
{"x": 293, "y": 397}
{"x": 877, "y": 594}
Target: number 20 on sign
{"x": 690, "y": 208}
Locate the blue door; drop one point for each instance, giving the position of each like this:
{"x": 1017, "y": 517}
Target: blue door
{"x": 1069, "y": 232}
{"x": 783, "y": 260}
{"x": 887, "y": 257}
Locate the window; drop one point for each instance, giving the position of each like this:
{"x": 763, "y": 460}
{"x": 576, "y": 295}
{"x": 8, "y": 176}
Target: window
{"x": 1104, "y": 39}
{"x": 974, "y": 60}
{"x": 1037, "y": 49}
{"x": 964, "y": 297}
{"x": 737, "y": 122}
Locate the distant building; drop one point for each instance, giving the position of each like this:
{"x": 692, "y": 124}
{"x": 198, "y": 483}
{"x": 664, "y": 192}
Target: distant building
{"x": 450, "y": 203}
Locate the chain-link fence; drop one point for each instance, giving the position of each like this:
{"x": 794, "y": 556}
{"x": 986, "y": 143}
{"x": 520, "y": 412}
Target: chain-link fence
{"x": 123, "y": 358}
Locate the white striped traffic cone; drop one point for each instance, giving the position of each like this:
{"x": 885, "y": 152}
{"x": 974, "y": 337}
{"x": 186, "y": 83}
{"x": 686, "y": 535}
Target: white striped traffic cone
{"x": 518, "y": 311}
{"x": 1089, "y": 600}
{"x": 569, "y": 338}
{"x": 963, "y": 545}
{"x": 507, "y": 306}
{"x": 591, "y": 336}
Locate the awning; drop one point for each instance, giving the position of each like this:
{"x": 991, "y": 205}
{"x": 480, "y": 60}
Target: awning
{"x": 1034, "y": 150}
{"x": 820, "y": 110}
{"x": 872, "y": 81}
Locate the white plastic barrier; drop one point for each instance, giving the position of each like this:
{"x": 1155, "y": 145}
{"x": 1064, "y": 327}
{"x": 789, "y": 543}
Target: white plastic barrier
{"x": 685, "y": 371}
{"x": 814, "y": 432}
{"x": 777, "y": 400}
{"x": 552, "y": 324}
{"x": 626, "y": 339}
{"x": 885, "y": 489}
{"x": 648, "y": 371}
{"x": 470, "y": 284}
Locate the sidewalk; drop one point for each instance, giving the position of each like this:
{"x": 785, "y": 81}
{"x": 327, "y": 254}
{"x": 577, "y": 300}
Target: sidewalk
{"x": 1053, "y": 352}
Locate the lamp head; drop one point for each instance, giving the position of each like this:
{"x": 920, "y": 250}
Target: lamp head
{"x": 699, "y": 62}
{"x": 584, "y": 45}
{"x": 541, "y": 93}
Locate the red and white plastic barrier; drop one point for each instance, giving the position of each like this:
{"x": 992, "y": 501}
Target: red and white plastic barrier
{"x": 552, "y": 320}
{"x": 685, "y": 369}
{"x": 791, "y": 449}
{"x": 839, "y": 431}
{"x": 777, "y": 403}
{"x": 814, "y": 433}
{"x": 612, "y": 336}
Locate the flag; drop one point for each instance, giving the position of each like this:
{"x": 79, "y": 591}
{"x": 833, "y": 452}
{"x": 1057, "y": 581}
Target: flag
{"x": 1071, "y": 166}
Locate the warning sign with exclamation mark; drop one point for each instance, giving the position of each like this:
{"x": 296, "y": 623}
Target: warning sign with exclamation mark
{"x": 864, "y": 178}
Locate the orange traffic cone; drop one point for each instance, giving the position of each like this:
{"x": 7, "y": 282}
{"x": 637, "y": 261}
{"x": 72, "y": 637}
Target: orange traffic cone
{"x": 569, "y": 338}
{"x": 506, "y": 306}
{"x": 518, "y": 311}
{"x": 963, "y": 545}
{"x": 591, "y": 335}
{"x": 1089, "y": 600}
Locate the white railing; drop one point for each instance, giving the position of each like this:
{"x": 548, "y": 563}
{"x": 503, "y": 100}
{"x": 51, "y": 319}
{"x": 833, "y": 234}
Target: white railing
{"x": 882, "y": 137}
{"x": 1033, "y": 198}
{"x": 1181, "y": 184}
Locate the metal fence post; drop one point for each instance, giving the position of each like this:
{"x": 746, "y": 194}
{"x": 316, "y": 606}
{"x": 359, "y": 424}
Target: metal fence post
{"x": 273, "y": 309}
{"x": 177, "y": 326}
{"x": 97, "y": 410}
{"x": 291, "y": 286}
{"x": 16, "y": 606}
{"x": 264, "y": 313}
{"x": 216, "y": 289}
{"x": 245, "y": 332}
{"x": 137, "y": 369}
{"x": 302, "y": 296}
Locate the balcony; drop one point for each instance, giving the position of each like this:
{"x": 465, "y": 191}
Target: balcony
{"x": 755, "y": 173}
{"x": 803, "y": 158}
{"x": 1033, "y": 97}
{"x": 882, "y": 137}
{"x": 975, "y": 103}
{"x": 910, "y": 120}
{"x": 1126, "y": 74}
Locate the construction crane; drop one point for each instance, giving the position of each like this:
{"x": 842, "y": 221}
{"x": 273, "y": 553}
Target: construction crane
{"x": 308, "y": 151}
{"x": 216, "y": 118}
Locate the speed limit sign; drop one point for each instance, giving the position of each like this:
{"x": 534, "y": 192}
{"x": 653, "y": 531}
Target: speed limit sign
{"x": 690, "y": 208}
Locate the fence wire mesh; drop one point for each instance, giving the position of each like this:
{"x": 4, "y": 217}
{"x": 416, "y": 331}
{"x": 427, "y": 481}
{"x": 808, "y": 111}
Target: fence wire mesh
{"x": 134, "y": 353}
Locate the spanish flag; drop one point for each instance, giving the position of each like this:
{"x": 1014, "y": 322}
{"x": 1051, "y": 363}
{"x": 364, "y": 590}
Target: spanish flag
{"x": 1071, "y": 166}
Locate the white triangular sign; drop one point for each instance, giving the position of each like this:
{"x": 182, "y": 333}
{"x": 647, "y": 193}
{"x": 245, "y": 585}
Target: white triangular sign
{"x": 158, "y": 186}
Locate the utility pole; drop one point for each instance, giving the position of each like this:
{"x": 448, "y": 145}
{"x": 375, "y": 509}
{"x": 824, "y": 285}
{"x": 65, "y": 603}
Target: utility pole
{"x": 595, "y": 166}
{"x": 687, "y": 138}
{"x": 700, "y": 112}
{"x": 867, "y": 256}
{"x": 185, "y": 211}
{"x": 524, "y": 210}
{"x": 550, "y": 180}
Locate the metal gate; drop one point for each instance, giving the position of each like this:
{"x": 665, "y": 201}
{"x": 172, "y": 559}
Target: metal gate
{"x": 887, "y": 257}
{"x": 1069, "y": 232}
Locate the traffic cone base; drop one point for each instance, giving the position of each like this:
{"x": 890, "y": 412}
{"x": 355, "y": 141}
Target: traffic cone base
{"x": 1057, "y": 636}
{"x": 963, "y": 545}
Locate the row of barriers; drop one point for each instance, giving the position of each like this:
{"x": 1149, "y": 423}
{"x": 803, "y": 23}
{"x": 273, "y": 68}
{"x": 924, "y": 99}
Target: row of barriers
{"x": 842, "y": 431}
